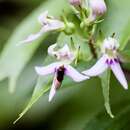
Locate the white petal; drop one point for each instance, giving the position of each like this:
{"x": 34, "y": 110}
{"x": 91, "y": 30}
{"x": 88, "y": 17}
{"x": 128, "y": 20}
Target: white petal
{"x": 74, "y": 74}
{"x": 65, "y": 49}
{"x": 51, "y": 51}
{"x": 98, "y": 68}
{"x": 116, "y": 68}
{"x": 47, "y": 69}
{"x": 30, "y": 38}
{"x": 33, "y": 37}
{"x": 53, "y": 25}
{"x": 43, "y": 17}
{"x": 52, "y": 91}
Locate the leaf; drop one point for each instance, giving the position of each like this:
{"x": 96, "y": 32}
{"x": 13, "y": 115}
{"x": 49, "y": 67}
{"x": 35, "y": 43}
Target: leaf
{"x": 117, "y": 20}
{"x": 105, "y": 81}
{"x": 14, "y": 58}
{"x": 37, "y": 94}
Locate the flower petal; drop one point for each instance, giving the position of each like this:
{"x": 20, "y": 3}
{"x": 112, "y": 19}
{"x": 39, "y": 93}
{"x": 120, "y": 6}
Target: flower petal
{"x": 54, "y": 25}
{"x": 116, "y": 68}
{"x": 43, "y": 17}
{"x": 47, "y": 69}
{"x": 30, "y": 38}
{"x": 52, "y": 91}
{"x": 98, "y": 68}
{"x": 65, "y": 49}
{"x": 74, "y": 74}
{"x": 51, "y": 51}
{"x": 55, "y": 85}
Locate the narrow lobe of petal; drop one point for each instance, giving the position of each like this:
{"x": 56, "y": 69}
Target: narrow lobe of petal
{"x": 47, "y": 69}
{"x": 30, "y": 38}
{"x": 52, "y": 91}
{"x": 55, "y": 86}
{"x": 116, "y": 68}
{"x": 33, "y": 37}
{"x": 74, "y": 74}
{"x": 98, "y": 68}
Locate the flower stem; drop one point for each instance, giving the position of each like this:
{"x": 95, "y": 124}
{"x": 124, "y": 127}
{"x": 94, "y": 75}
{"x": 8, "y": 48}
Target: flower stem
{"x": 92, "y": 48}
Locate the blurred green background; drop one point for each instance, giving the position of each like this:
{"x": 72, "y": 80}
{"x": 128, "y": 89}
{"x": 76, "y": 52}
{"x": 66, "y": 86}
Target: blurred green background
{"x": 75, "y": 107}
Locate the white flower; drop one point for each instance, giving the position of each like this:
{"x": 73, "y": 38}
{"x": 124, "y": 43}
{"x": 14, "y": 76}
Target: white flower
{"x": 59, "y": 70}
{"x": 63, "y": 54}
{"x": 48, "y": 24}
{"x": 109, "y": 59}
{"x": 98, "y": 8}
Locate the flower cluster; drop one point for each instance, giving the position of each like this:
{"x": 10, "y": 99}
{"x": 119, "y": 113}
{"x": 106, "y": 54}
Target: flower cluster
{"x": 88, "y": 11}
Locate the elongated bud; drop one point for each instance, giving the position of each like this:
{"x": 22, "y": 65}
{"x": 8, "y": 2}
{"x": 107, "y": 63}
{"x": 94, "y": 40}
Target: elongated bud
{"x": 75, "y": 2}
{"x": 98, "y": 7}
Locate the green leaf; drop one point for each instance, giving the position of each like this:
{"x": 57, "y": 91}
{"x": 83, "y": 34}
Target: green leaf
{"x": 13, "y": 58}
{"x": 36, "y": 95}
{"x": 117, "y": 20}
{"x": 42, "y": 86}
{"x": 105, "y": 81}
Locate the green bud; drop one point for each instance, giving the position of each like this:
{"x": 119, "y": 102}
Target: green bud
{"x": 70, "y": 28}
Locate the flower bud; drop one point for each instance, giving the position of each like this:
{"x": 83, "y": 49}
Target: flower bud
{"x": 98, "y": 7}
{"x": 70, "y": 28}
{"x": 75, "y": 2}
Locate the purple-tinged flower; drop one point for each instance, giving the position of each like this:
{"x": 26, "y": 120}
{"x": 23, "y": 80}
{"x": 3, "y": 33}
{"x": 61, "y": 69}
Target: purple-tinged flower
{"x": 75, "y": 2}
{"x": 48, "y": 23}
{"x": 63, "y": 54}
{"x": 59, "y": 70}
{"x": 98, "y": 8}
{"x": 109, "y": 60}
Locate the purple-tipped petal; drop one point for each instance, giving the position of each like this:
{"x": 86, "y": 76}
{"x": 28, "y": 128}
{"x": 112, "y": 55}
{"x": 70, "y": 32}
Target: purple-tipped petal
{"x": 98, "y": 68}
{"x": 47, "y": 69}
{"x": 116, "y": 68}
{"x": 74, "y": 74}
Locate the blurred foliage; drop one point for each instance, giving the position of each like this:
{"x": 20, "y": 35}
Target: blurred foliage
{"x": 76, "y": 106}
